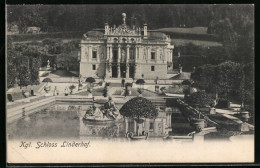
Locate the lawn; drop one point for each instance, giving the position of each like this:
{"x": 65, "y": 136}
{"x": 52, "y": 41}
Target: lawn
{"x": 146, "y": 93}
{"x": 176, "y": 89}
{"x": 197, "y": 36}
{"x": 183, "y": 42}
{"x": 95, "y": 92}
{"x": 192, "y": 30}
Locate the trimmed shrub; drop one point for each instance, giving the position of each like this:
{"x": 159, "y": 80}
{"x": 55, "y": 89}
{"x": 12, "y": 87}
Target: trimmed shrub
{"x": 222, "y": 103}
{"x": 105, "y": 91}
{"x": 199, "y": 99}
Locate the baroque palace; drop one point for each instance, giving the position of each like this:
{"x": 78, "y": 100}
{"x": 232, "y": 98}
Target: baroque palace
{"x": 124, "y": 52}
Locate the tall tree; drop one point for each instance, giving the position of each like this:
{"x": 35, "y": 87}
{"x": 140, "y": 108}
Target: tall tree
{"x": 228, "y": 77}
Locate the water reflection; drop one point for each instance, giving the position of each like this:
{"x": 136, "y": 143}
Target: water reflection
{"x": 65, "y": 121}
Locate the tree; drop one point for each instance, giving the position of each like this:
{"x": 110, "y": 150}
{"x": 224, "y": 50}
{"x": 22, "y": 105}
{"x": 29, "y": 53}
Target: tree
{"x": 228, "y": 77}
{"x": 138, "y": 108}
{"x": 90, "y": 80}
{"x": 53, "y": 46}
{"x": 11, "y": 65}
{"x": 22, "y": 65}
{"x": 68, "y": 54}
{"x": 199, "y": 99}
{"x": 228, "y": 36}
{"x": 35, "y": 64}
{"x": 187, "y": 82}
{"x": 205, "y": 77}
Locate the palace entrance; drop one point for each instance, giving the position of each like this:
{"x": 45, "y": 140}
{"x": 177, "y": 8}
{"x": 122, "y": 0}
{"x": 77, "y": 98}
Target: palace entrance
{"x": 114, "y": 64}
{"x": 131, "y": 71}
{"x": 123, "y": 70}
{"x": 114, "y": 70}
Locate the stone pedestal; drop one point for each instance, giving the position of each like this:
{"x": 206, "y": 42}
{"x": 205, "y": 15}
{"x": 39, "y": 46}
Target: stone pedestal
{"x": 147, "y": 125}
{"x": 198, "y": 138}
{"x": 126, "y": 125}
{"x": 89, "y": 95}
{"x": 199, "y": 124}
{"x": 244, "y": 127}
{"x": 212, "y": 111}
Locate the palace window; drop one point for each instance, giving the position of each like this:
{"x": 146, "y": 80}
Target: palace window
{"x": 131, "y": 53}
{"x": 152, "y": 55}
{"x": 94, "y": 54}
{"x": 151, "y": 126}
{"x": 93, "y": 67}
{"x": 152, "y": 68}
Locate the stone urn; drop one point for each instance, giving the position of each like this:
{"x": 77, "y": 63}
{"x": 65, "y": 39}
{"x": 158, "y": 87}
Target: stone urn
{"x": 245, "y": 116}
{"x": 80, "y": 87}
{"x": 140, "y": 90}
{"x": 26, "y": 94}
{"x": 156, "y": 88}
{"x": 163, "y": 90}
{"x": 90, "y": 92}
{"x": 193, "y": 90}
{"x": 212, "y": 110}
{"x": 129, "y": 89}
{"x": 47, "y": 89}
{"x": 199, "y": 124}
{"x": 132, "y": 136}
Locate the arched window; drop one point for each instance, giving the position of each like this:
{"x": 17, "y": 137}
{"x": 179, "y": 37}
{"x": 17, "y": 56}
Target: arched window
{"x": 115, "y": 40}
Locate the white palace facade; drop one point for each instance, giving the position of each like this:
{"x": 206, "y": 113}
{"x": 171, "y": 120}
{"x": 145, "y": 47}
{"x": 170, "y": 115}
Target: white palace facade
{"x": 124, "y": 52}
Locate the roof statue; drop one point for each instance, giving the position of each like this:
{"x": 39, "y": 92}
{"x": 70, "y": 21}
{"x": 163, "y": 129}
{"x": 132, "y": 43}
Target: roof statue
{"x": 124, "y": 16}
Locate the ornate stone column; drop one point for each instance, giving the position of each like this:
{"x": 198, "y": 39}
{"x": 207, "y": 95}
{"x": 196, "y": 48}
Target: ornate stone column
{"x": 171, "y": 55}
{"x": 135, "y": 54}
{"x": 134, "y": 126}
{"x": 170, "y": 120}
{"x": 164, "y": 54}
{"x": 127, "y": 53}
{"x": 118, "y": 70}
{"x": 138, "y": 52}
{"x": 111, "y": 54}
{"x": 118, "y": 62}
{"x": 126, "y": 125}
{"x": 163, "y": 126}
{"x": 83, "y": 54}
{"x": 119, "y": 54}
{"x": 127, "y": 70}
{"x": 107, "y": 57}
{"x": 90, "y": 53}
{"x": 147, "y": 124}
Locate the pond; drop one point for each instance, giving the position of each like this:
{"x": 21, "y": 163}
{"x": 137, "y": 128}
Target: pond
{"x": 64, "y": 120}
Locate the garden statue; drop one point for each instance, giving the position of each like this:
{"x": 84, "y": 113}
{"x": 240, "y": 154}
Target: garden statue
{"x": 179, "y": 54}
{"x": 108, "y": 112}
{"x": 55, "y": 92}
{"x": 48, "y": 65}
{"x": 194, "y": 69}
{"x": 180, "y": 69}
{"x": 54, "y": 66}
{"x": 72, "y": 87}
{"x": 66, "y": 91}
{"x": 213, "y": 109}
{"x": 80, "y": 82}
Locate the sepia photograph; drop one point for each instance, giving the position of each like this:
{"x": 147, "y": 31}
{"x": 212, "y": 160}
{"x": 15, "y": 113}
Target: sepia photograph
{"x": 130, "y": 83}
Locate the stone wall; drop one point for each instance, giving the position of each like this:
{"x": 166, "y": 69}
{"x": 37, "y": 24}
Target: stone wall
{"x": 160, "y": 70}
{"x": 86, "y": 69}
